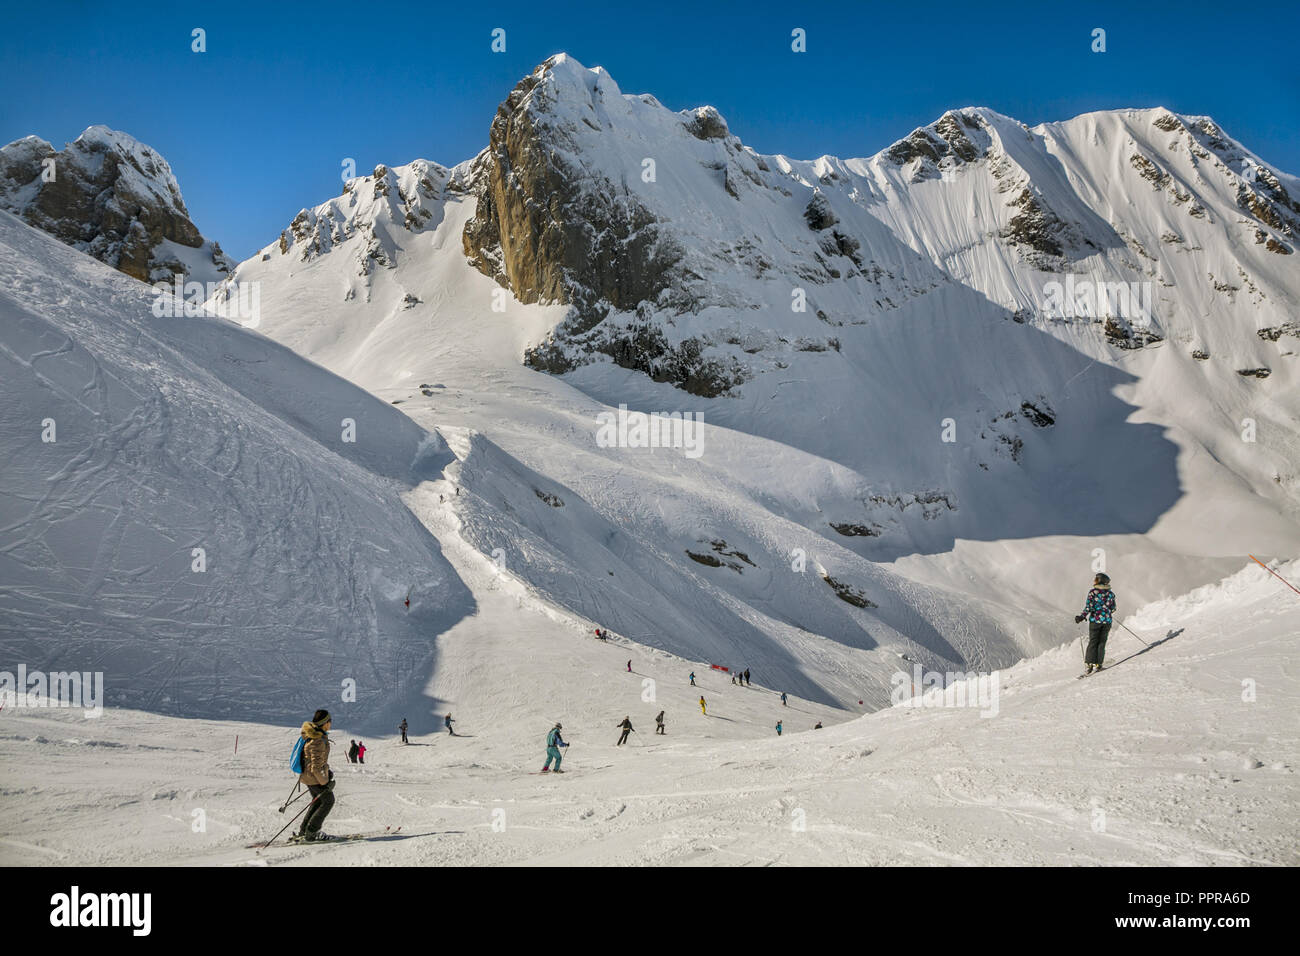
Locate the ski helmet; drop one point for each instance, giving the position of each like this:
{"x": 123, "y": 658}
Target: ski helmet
{"x": 558, "y": 726}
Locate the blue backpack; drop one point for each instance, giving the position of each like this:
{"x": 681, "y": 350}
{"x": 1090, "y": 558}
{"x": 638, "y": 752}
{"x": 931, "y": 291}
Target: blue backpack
{"x": 295, "y": 758}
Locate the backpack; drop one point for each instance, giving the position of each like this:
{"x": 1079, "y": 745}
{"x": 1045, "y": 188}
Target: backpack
{"x": 295, "y": 758}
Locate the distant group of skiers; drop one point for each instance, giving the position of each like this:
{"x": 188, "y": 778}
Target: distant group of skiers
{"x": 314, "y": 750}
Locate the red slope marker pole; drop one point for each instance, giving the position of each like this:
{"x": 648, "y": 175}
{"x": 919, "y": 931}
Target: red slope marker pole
{"x": 1274, "y": 573}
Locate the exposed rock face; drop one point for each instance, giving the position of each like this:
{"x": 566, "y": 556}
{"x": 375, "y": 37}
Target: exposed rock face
{"x": 551, "y": 230}
{"x": 111, "y": 197}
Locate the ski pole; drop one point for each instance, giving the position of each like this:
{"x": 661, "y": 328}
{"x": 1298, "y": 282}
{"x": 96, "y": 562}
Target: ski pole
{"x": 293, "y": 795}
{"x": 1275, "y": 574}
{"x": 1140, "y": 641}
{"x": 296, "y": 816}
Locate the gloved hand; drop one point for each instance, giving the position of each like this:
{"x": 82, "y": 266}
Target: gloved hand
{"x": 564, "y": 745}
{"x": 330, "y": 785}
{"x": 1078, "y": 619}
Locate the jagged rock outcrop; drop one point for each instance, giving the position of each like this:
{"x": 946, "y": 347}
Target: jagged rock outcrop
{"x": 551, "y": 229}
{"x": 112, "y": 197}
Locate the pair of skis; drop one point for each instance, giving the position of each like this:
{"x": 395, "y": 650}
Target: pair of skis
{"x": 342, "y": 838}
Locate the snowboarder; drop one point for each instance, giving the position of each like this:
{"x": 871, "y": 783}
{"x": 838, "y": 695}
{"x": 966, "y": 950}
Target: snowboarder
{"x": 317, "y": 775}
{"x": 352, "y": 753}
{"x": 361, "y": 752}
{"x": 447, "y": 722}
{"x": 703, "y": 709}
{"x": 692, "y": 678}
{"x": 402, "y": 728}
{"x": 659, "y": 723}
{"x": 1098, "y": 610}
{"x": 553, "y": 744}
{"x": 627, "y": 729}
{"x": 778, "y": 728}
{"x": 783, "y": 703}
{"x": 747, "y": 677}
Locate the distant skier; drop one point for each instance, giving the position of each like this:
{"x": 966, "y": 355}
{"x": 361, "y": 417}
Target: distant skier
{"x": 783, "y": 703}
{"x": 778, "y": 728}
{"x": 733, "y": 678}
{"x": 317, "y": 775}
{"x": 627, "y": 729}
{"x": 817, "y": 726}
{"x": 659, "y": 723}
{"x": 692, "y": 678}
{"x": 703, "y": 709}
{"x": 629, "y": 667}
{"x": 553, "y": 744}
{"x": 352, "y": 753}
{"x": 361, "y": 752}
{"x": 1098, "y": 610}
{"x": 402, "y": 728}
{"x": 746, "y": 676}
{"x": 447, "y": 722}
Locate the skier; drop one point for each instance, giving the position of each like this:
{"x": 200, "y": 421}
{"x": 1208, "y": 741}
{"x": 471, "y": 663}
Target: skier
{"x": 817, "y": 726}
{"x": 659, "y": 723}
{"x": 783, "y": 703}
{"x": 733, "y": 678}
{"x": 747, "y": 677}
{"x": 627, "y": 729}
{"x": 703, "y": 708}
{"x": 447, "y": 722}
{"x": 317, "y": 775}
{"x": 352, "y": 753}
{"x": 692, "y": 678}
{"x": 361, "y": 752}
{"x": 778, "y": 728}
{"x": 403, "y": 730}
{"x": 553, "y": 744}
{"x": 1098, "y": 610}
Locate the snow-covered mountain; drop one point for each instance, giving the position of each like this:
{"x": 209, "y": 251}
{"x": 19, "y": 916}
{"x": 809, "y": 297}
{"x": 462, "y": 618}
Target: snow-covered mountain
{"x": 920, "y": 423}
{"x": 186, "y": 507}
{"x": 113, "y": 197}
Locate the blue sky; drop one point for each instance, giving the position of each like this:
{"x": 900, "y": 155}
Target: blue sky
{"x": 256, "y": 127}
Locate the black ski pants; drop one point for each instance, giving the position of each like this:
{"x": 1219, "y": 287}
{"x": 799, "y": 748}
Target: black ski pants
{"x": 318, "y": 811}
{"x": 1097, "y": 634}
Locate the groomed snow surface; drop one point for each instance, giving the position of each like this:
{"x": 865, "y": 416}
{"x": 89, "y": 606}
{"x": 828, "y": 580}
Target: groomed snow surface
{"x": 1158, "y": 761}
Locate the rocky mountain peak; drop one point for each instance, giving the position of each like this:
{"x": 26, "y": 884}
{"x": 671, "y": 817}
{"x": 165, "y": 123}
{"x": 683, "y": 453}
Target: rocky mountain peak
{"x": 111, "y": 196}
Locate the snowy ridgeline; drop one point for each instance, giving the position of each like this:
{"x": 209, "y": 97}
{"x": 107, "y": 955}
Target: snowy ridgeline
{"x": 181, "y": 509}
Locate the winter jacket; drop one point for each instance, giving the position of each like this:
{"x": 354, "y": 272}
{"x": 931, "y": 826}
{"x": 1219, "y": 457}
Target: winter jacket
{"x": 627, "y": 724}
{"x": 1100, "y": 605}
{"x": 553, "y": 739}
{"x": 660, "y": 718}
{"x": 315, "y": 756}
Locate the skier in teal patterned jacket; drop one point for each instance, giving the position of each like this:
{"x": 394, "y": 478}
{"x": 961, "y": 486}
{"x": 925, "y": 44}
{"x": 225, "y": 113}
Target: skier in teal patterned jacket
{"x": 1098, "y": 610}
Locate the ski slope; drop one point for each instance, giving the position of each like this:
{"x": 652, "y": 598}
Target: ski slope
{"x": 1158, "y": 761}
{"x": 176, "y": 434}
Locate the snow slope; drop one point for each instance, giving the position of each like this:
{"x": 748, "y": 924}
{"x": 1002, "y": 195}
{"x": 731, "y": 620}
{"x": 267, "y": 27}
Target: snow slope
{"x": 1160, "y": 760}
{"x": 177, "y": 434}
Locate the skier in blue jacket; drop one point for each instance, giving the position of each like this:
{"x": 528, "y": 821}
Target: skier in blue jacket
{"x": 1098, "y": 610}
{"x": 553, "y": 744}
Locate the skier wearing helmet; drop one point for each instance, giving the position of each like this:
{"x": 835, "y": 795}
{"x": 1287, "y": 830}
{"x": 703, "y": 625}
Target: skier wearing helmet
{"x": 1098, "y": 610}
{"x": 553, "y": 744}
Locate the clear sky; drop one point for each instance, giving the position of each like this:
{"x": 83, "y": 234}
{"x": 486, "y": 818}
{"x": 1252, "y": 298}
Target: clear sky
{"x": 256, "y": 127}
